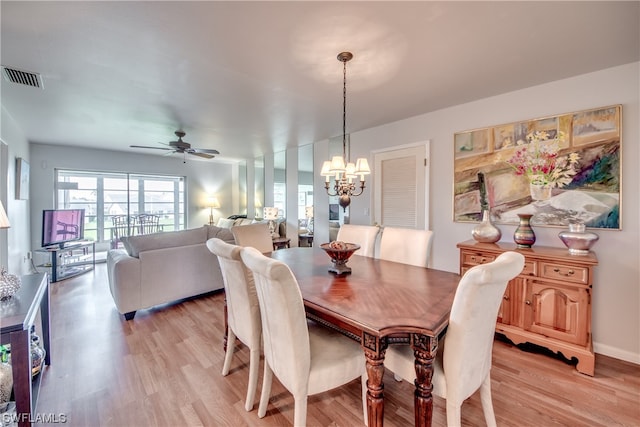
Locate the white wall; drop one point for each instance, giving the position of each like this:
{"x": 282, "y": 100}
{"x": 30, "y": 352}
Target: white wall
{"x": 15, "y": 241}
{"x": 203, "y": 178}
{"x": 616, "y": 292}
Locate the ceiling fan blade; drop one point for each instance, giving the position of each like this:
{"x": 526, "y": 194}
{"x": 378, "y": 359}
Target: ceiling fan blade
{"x": 205, "y": 150}
{"x": 146, "y": 146}
{"x": 169, "y": 153}
{"x": 203, "y": 155}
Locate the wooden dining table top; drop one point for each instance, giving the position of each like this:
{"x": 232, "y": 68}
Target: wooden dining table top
{"x": 378, "y": 296}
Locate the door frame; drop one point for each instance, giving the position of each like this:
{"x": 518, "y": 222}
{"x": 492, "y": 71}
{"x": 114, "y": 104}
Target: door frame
{"x": 426, "y": 144}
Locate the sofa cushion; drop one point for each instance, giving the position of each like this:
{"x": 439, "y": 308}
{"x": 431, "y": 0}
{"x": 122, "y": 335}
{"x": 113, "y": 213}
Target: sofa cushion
{"x": 221, "y": 233}
{"x": 225, "y": 223}
{"x": 243, "y": 221}
{"x": 136, "y": 244}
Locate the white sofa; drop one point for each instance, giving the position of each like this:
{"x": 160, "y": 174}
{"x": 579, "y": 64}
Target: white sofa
{"x": 163, "y": 267}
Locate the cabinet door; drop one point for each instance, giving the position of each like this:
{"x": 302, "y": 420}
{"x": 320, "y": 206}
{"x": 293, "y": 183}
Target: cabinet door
{"x": 504, "y": 313}
{"x": 557, "y": 311}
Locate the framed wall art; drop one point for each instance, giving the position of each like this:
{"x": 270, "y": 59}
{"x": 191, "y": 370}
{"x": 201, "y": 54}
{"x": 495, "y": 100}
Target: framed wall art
{"x": 561, "y": 169}
{"x": 22, "y": 179}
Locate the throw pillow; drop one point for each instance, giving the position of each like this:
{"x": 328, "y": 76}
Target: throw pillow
{"x": 225, "y": 223}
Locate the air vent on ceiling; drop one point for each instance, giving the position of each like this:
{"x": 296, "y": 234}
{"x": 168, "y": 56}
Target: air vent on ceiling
{"x": 22, "y": 77}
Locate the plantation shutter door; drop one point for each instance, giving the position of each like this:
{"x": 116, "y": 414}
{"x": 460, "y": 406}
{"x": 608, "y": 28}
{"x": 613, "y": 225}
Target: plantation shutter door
{"x": 400, "y": 188}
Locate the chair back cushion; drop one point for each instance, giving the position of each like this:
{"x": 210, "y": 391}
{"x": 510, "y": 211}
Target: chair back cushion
{"x": 472, "y": 324}
{"x": 284, "y": 325}
{"x": 255, "y": 235}
{"x": 243, "y": 309}
{"x": 363, "y": 235}
{"x": 406, "y": 245}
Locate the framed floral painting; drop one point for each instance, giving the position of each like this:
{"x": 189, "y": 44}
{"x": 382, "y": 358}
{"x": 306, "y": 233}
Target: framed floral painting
{"x": 561, "y": 169}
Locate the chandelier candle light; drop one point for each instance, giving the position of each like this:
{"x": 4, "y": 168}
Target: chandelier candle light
{"x": 344, "y": 171}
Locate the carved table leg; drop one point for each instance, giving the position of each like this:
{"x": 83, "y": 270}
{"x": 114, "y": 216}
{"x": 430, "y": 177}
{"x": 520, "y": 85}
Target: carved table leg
{"x": 374, "y": 350}
{"x": 424, "y": 349}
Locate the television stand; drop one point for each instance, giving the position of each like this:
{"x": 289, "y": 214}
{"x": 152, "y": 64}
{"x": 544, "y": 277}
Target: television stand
{"x": 73, "y": 259}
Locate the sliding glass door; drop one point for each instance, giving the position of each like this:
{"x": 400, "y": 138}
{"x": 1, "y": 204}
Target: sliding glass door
{"x": 108, "y": 197}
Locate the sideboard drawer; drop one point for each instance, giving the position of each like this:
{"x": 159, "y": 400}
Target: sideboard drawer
{"x": 530, "y": 268}
{"x": 564, "y": 272}
{"x": 472, "y": 258}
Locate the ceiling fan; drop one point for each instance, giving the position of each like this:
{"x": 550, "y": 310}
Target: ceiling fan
{"x": 183, "y": 147}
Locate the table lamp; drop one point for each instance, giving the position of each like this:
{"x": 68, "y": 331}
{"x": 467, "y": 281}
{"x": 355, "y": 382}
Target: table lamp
{"x": 9, "y": 283}
{"x": 271, "y": 215}
{"x": 213, "y": 204}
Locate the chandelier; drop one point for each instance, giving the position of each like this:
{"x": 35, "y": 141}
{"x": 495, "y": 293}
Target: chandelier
{"x": 339, "y": 167}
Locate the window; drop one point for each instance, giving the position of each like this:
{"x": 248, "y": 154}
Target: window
{"x": 104, "y": 195}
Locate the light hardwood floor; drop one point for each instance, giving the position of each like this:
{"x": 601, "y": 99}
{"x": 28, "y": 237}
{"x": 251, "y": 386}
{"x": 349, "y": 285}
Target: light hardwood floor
{"x": 163, "y": 369}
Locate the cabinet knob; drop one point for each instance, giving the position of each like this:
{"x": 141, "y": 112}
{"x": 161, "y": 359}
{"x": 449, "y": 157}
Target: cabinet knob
{"x": 506, "y": 298}
{"x": 527, "y": 302}
{"x": 568, "y": 273}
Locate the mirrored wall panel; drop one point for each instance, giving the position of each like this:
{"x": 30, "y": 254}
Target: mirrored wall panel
{"x": 259, "y": 186}
{"x": 305, "y": 195}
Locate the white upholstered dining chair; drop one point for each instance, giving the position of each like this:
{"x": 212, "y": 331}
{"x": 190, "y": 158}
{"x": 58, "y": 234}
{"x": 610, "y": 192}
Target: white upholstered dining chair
{"x": 255, "y": 235}
{"x": 405, "y": 245}
{"x": 243, "y": 311}
{"x": 363, "y": 235}
{"x": 464, "y": 365}
{"x": 306, "y": 358}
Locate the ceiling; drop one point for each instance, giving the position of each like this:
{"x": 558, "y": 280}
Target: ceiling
{"x": 247, "y": 78}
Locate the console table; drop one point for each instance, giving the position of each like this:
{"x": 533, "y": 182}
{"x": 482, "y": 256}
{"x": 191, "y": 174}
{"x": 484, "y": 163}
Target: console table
{"x": 71, "y": 260}
{"x": 548, "y": 303}
{"x": 18, "y": 314}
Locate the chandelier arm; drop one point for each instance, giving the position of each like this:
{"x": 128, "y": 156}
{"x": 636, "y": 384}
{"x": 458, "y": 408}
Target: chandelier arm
{"x": 335, "y": 189}
{"x": 362, "y": 186}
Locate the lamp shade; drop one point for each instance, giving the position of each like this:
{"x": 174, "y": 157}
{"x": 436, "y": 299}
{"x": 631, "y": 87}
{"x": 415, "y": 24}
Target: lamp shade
{"x": 213, "y": 202}
{"x": 326, "y": 169}
{"x": 337, "y": 164}
{"x": 4, "y": 220}
{"x": 362, "y": 166}
{"x": 270, "y": 213}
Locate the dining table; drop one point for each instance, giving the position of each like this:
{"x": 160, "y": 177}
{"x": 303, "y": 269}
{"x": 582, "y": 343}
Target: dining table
{"x": 380, "y": 303}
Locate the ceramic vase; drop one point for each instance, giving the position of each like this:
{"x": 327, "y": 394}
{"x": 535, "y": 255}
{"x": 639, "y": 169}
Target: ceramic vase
{"x": 577, "y": 239}
{"x": 486, "y": 232}
{"x": 524, "y": 235}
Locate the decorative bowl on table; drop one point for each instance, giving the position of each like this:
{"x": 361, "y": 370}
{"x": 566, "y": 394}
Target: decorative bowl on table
{"x": 340, "y": 252}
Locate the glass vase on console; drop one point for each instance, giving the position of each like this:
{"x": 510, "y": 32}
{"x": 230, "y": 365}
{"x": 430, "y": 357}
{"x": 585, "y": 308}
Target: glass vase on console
{"x": 577, "y": 239}
{"x": 486, "y": 232}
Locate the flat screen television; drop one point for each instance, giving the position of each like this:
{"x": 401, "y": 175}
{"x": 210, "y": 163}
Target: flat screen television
{"x": 60, "y": 226}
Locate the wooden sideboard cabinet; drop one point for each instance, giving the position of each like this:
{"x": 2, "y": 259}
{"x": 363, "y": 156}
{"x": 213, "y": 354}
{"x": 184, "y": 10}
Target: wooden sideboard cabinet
{"x": 549, "y": 303}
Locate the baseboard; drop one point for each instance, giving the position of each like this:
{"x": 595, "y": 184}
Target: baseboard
{"x": 617, "y": 353}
